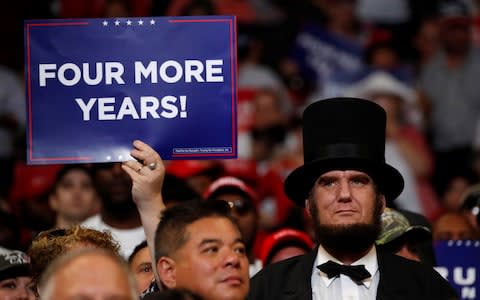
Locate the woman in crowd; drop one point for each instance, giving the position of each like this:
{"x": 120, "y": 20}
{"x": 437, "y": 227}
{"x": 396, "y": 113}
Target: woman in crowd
{"x": 15, "y": 276}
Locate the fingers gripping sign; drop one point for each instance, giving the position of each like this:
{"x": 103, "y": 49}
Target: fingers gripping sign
{"x": 147, "y": 172}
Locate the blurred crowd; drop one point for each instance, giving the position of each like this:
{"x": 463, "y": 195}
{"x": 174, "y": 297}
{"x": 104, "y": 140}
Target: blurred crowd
{"x": 418, "y": 59}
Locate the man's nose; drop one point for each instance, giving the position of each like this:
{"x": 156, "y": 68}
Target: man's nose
{"x": 232, "y": 258}
{"x": 344, "y": 190}
{"x": 22, "y": 294}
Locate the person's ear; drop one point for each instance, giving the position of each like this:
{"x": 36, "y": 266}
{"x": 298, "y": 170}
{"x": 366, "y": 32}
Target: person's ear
{"x": 383, "y": 203}
{"x": 166, "y": 269}
{"x": 307, "y": 207}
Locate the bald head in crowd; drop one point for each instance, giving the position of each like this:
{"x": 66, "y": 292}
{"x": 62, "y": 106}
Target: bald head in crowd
{"x": 88, "y": 274}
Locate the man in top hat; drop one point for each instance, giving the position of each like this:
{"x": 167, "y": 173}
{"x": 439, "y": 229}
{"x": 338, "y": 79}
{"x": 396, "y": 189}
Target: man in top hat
{"x": 345, "y": 185}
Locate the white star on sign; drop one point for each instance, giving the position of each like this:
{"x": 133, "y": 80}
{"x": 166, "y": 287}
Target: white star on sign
{"x": 117, "y": 22}
{"x": 129, "y": 22}
{"x": 152, "y": 22}
{"x": 105, "y": 23}
{"x": 140, "y": 22}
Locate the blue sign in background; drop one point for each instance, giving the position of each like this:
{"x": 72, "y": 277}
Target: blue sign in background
{"x": 205, "y": 125}
{"x": 459, "y": 263}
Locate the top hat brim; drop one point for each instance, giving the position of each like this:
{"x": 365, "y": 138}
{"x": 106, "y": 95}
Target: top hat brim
{"x": 301, "y": 181}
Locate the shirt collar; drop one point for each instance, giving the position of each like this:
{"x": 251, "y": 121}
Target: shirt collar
{"x": 369, "y": 260}
{"x": 254, "y": 267}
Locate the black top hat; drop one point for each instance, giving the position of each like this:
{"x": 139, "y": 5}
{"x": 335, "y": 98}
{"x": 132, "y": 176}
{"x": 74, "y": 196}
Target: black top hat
{"x": 343, "y": 134}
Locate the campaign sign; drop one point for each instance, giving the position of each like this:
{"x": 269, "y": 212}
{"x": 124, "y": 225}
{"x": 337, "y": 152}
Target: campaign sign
{"x": 459, "y": 263}
{"x": 322, "y": 54}
{"x": 95, "y": 85}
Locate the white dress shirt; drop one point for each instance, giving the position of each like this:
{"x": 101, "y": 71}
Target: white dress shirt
{"x": 342, "y": 287}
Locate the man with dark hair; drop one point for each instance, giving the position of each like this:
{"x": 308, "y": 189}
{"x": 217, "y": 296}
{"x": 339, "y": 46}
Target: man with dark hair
{"x": 242, "y": 200}
{"x": 345, "y": 185}
{"x": 73, "y": 195}
{"x": 198, "y": 247}
{"x": 140, "y": 262}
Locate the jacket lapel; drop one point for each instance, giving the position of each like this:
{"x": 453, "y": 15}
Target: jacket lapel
{"x": 390, "y": 285}
{"x": 300, "y": 285}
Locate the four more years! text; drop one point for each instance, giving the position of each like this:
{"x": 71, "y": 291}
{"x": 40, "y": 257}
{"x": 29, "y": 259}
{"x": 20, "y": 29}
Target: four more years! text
{"x": 148, "y": 107}
{"x": 108, "y": 73}
{"x": 112, "y": 73}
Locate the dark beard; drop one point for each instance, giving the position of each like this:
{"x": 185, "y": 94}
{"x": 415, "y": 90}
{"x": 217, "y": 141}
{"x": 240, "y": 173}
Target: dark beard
{"x": 349, "y": 238}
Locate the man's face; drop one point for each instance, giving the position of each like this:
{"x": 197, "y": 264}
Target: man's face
{"x": 213, "y": 262}
{"x": 90, "y": 277}
{"x": 113, "y": 183}
{"x": 17, "y": 288}
{"x": 456, "y": 37}
{"x": 244, "y": 214}
{"x": 75, "y": 196}
{"x": 344, "y": 198}
{"x": 453, "y": 226}
{"x": 141, "y": 266}
{"x": 345, "y": 210}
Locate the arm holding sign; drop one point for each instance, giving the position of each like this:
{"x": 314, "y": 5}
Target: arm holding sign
{"x": 147, "y": 182}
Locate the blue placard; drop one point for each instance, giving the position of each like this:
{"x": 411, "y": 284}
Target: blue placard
{"x": 459, "y": 263}
{"x": 322, "y": 54}
{"x": 95, "y": 85}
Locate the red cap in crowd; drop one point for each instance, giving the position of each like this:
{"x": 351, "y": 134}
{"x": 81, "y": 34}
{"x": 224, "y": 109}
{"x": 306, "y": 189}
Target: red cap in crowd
{"x": 281, "y": 238}
{"x": 229, "y": 182}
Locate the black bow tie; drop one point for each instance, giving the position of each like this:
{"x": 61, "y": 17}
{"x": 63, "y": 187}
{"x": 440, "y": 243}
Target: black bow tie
{"x": 356, "y": 273}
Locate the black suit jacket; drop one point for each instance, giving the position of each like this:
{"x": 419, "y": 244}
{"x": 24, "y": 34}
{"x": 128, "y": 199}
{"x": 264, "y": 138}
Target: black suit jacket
{"x": 400, "y": 279}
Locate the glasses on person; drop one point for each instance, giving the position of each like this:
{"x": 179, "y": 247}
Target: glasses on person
{"x": 239, "y": 206}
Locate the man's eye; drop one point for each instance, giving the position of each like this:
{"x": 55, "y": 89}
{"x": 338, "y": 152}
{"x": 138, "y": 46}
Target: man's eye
{"x": 146, "y": 269}
{"x": 9, "y": 285}
{"x": 67, "y": 184}
{"x": 240, "y": 250}
{"x": 326, "y": 182}
{"x": 360, "y": 180}
{"x": 211, "y": 249}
